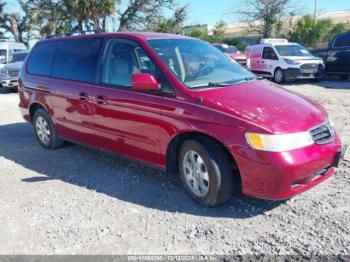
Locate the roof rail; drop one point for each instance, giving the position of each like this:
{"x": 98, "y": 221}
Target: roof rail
{"x": 76, "y": 32}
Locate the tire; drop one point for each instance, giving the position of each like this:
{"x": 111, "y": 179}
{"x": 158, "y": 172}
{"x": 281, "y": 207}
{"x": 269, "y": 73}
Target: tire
{"x": 212, "y": 184}
{"x": 45, "y": 130}
{"x": 279, "y": 76}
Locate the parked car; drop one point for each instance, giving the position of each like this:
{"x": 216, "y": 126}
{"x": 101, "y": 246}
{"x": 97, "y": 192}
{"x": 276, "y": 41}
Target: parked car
{"x": 284, "y": 61}
{"x": 9, "y": 73}
{"x": 7, "y": 49}
{"x": 337, "y": 56}
{"x": 181, "y": 105}
{"x": 232, "y": 52}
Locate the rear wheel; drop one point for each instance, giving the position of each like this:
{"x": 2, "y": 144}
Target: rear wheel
{"x": 279, "y": 76}
{"x": 45, "y": 130}
{"x": 205, "y": 171}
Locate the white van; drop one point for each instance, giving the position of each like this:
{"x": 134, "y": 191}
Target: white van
{"x": 7, "y": 48}
{"x": 283, "y": 61}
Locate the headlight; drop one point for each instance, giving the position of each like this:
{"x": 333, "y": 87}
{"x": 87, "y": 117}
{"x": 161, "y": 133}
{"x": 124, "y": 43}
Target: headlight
{"x": 4, "y": 72}
{"x": 291, "y": 62}
{"x": 279, "y": 143}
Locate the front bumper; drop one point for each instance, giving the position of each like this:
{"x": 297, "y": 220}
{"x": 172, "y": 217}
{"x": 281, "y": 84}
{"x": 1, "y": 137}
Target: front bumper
{"x": 275, "y": 176}
{"x": 297, "y": 73}
{"x": 11, "y": 82}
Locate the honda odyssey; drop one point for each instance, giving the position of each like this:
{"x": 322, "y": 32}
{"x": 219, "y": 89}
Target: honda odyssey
{"x": 180, "y": 104}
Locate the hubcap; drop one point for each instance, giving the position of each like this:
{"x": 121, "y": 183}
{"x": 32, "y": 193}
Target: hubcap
{"x": 278, "y": 76}
{"x": 43, "y": 130}
{"x": 196, "y": 173}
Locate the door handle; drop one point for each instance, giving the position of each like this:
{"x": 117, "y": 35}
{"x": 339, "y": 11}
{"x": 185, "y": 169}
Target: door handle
{"x": 100, "y": 100}
{"x": 83, "y": 96}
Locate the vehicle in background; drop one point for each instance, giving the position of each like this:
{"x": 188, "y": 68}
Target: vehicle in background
{"x": 9, "y": 73}
{"x": 7, "y": 49}
{"x": 232, "y": 52}
{"x": 179, "y": 104}
{"x": 337, "y": 56}
{"x": 283, "y": 61}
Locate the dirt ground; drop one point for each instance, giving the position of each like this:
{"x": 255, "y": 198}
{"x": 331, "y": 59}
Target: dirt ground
{"x": 77, "y": 200}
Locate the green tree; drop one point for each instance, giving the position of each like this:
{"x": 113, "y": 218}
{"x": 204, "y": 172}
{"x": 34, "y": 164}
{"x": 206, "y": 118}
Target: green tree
{"x": 174, "y": 24}
{"x": 311, "y": 32}
{"x": 15, "y": 23}
{"x": 197, "y": 33}
{"x": 263, "y": 15}
{"x": 142, "y": 14}
{"x": 90, "y": 13}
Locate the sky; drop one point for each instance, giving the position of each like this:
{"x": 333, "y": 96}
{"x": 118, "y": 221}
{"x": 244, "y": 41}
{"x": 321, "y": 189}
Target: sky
{"x": 212, "y": 11}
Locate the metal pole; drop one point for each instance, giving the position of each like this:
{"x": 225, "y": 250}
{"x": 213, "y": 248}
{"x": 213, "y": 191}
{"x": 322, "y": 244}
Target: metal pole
{"x": 315, "y": 10}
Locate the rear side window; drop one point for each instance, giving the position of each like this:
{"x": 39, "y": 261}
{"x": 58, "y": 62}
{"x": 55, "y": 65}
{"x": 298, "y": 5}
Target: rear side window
{"x": 77, "y": 59}
{"x": 41, "y": 59}
{"x": 342, "y": 40}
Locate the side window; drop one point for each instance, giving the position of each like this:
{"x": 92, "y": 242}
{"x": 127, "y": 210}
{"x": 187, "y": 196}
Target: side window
{"x": 77, "y": 59}
{"x": 342, "y": 41}
{"x": 41, "y": 59}
{"x": 123, "y": 59}
{"x": 269, "y": 53}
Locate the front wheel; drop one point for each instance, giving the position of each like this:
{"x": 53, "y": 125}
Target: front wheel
{"x": 205, "y": 171}
{"x": 45, "y": 130}
{"x": 279, "y": 77}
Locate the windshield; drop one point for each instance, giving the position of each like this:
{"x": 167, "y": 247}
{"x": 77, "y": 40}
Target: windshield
{"x": 198, "y": 64}
{"x": 18, "y": 57}
{"x": 292, "y": 50}
{"x": 3, "y": 54}
{"x": 232, "y": 50}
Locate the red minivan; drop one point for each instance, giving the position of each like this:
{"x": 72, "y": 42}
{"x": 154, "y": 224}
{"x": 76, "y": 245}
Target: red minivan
{"x": 180, "y": 104}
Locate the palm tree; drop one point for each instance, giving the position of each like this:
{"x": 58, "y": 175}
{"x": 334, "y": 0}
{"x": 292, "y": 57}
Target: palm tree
{"x": 90, "y": 12}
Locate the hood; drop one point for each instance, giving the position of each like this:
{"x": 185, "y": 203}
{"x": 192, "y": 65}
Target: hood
{"x": 14, "y": 66}
{"x": 265, "y": 105}
{"x": 304, "y": 58}
{"x": 237, "y": 56}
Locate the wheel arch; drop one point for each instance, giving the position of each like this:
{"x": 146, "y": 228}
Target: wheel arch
{"x": 34, "y": 107}
{"x": 175, "y": 144}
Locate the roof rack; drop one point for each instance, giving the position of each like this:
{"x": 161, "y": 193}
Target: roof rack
{"x": 76, "y": 32}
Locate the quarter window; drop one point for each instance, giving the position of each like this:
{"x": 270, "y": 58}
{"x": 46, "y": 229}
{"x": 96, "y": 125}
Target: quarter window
{"x": 77, "y": 59}
{"x": 41, "y": 59}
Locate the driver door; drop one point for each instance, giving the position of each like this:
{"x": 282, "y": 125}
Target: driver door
{"x": 127, "y": 121}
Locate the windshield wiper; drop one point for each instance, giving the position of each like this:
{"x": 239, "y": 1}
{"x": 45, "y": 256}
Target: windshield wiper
{"x": 227, "y": 83}
{"x": 211, "y": 84}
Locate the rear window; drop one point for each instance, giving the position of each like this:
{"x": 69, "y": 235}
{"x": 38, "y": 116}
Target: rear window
{"x": 77, "y": 59}
{"x": 342, "y": 40}
{"x": 41, "y": 59}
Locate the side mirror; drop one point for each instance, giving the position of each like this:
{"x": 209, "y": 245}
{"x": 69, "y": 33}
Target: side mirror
{"x": 145, "y": 82}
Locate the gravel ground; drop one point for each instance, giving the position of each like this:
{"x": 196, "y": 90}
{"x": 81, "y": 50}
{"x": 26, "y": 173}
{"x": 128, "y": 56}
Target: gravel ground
{"x": 77, "y": 200}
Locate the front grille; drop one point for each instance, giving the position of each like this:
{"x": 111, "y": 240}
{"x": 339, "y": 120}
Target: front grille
{"x": 13, "y": 73}
{"x": 242, "y": 61}
{"x": 322, "y": 134}
{"x": 310, "y": 68}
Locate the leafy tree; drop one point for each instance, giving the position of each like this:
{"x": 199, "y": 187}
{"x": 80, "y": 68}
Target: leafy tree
{"x": 90, "y": 12}
{"x": 142, "y": 14}
{"x": 311, "y": 32}
{"x": 174, "y": 24}
{"x": 266, "y": 13}
{"x": 16, "y": 23}
{"x": 198, "y": 33}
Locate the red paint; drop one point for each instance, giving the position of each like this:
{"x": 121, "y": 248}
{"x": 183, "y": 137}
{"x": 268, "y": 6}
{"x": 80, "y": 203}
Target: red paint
{"x": 141, "y": 124}
{"x": 146, "y": 82}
